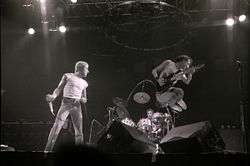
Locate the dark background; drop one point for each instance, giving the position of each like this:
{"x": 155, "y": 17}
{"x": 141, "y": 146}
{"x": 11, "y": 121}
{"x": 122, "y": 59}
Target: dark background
{"x": 32, "y": 66}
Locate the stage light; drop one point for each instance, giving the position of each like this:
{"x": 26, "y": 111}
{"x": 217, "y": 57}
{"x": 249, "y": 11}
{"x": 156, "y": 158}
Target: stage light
{"x": 73, "y": 1}
{"x": 31, "y": 31}
{"x": 242, "y": 18}
{"x": 230, "y": 22}
{"x": 42, "y": 1}
{"x": 62, "y": 29}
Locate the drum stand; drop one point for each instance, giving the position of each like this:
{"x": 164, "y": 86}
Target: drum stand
{"x": 90, "y": 141}
{"x": 172, "y": 118}
{"x": 242, "y": 105}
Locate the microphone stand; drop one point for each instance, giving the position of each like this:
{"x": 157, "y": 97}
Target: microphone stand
{"x": 242, "y": 103}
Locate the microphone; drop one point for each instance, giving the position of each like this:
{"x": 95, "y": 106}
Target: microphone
{"x": 51, "y": 108}
{"x": 110, "y": 108}
{"x": 238, "y": 63}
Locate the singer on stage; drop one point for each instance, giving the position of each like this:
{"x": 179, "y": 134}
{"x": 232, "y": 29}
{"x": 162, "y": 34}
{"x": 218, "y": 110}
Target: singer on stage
{"x": 74, "y": 88}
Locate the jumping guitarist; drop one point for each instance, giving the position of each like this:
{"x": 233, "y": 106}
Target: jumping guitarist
{"x": 168, "y": 68}
{"x": 169, "y": 72}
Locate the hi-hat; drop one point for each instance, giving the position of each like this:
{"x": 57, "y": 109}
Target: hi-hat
{"x": 141, "y": 97}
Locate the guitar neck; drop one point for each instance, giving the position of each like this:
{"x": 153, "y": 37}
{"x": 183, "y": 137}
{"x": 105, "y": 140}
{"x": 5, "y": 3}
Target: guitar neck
{"x": 186, "y": 71}
{"x": 168, "y": 80}
{"x": 191, "y": 68}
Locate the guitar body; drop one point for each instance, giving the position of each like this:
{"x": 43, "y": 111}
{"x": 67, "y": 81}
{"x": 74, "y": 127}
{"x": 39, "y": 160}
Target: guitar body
{"x": 163, "y": 96}
{"x": 165, "y": 83}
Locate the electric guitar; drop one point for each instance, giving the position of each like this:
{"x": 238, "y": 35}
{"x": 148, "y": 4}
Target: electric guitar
{"x": 169, "y": 81}
{"x": 163, "y": 97}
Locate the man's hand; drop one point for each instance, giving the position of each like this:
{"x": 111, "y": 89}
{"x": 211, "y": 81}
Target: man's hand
{"x": 83, "y": 100}
{"x": 192, "y": 71}
{"x": 154, "y": 73}
{"x": 161, "y": 81}
{"x": 181, "y": 76}
{"x": 50, "y": 98}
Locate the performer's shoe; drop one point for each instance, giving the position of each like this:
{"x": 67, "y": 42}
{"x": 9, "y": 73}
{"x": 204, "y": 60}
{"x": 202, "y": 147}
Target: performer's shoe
{"x": 46, "y": 151}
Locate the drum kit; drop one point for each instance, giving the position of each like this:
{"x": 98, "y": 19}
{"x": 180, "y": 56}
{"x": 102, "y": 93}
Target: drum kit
{"x": 155, "y": 127}
{"x": 160, "y": 123}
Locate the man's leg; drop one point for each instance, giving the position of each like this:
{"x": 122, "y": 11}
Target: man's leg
{"x": 76, "y": 116}
{"x": 55, "y": 130}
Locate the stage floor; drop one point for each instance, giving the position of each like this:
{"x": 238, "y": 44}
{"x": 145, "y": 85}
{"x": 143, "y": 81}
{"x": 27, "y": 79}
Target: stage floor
{"x": 90, "y": 158}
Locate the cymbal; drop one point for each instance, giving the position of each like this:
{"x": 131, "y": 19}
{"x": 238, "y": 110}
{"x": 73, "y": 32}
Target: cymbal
{"x": 182, "y": 104}
{"x": 177, "y": 108}
{"x": 141, "y": 97}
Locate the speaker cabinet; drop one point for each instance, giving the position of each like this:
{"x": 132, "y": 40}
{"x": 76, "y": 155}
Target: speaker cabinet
{"x": 120, "y": 138}
{"x": 233, "y": 139}
{"x": 193, "y": 138}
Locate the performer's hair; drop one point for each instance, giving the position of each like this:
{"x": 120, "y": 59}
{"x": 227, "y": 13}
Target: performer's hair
{"x": 80, "y": 65}
{"x": 150, "y": 109}
{"x": 181, "y": 58}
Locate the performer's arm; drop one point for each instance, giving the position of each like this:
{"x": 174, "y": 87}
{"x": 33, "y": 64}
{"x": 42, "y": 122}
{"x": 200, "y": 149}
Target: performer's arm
{"x": 186, "y": 78}
{"x": 159, "y": 68}
{"x": 57, "y": 91}
{"x": 84, "y": 96}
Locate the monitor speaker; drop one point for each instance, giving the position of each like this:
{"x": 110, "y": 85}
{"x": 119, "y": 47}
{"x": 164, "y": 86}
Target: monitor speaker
{"x": 193, "y": 138}
{"x": 121, "y": 138}
{"x": 233, "y": 139}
